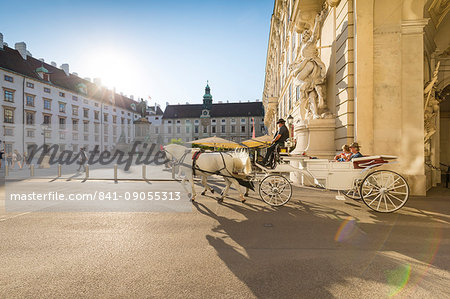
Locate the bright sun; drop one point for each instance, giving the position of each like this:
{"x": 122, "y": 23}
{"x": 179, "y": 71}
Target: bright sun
{"x": 114, "y": 67}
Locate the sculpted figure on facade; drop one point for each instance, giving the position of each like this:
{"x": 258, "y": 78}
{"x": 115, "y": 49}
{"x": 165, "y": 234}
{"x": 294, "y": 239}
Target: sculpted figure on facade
{"x": 431, "y": 109}
{"x": 310, "y": 72}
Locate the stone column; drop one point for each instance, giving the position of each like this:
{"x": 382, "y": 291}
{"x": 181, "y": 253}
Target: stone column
{"x": 364, "y": 113}
{"x": 412, "y": 113}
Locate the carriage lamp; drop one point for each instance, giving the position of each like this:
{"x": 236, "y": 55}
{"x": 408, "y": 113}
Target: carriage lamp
{"x": 290, "y": 120}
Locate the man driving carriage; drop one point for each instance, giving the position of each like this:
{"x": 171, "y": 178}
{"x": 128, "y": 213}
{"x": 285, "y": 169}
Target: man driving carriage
{"x": 278, "y": 140}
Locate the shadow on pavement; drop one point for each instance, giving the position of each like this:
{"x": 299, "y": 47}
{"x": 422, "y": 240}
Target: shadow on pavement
{"x": 286, "y": 251}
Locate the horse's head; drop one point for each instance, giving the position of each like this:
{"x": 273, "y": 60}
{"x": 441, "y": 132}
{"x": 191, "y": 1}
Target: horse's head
{"x": 174, "y": 151}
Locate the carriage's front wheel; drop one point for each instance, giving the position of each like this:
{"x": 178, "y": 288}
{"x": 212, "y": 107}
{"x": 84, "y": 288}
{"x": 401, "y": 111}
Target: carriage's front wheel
{"x": 275, "y": 190}
{"x": 384, "y": 191}
{"x": 353, "y": 193}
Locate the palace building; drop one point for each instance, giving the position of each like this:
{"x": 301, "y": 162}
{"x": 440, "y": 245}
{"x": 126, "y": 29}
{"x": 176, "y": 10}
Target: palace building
{"x": 232, "y": 121}
{"x": 371, "y": 71}
{"x": 43, "y": 104}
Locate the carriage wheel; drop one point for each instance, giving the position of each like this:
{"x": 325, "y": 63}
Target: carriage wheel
{"x": 352, "y": 194}
{"x": 384, "y": 191}
{"x": 275, "y": 190}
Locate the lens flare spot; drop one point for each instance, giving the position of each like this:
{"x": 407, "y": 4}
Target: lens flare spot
{"x": 398, "y": 279}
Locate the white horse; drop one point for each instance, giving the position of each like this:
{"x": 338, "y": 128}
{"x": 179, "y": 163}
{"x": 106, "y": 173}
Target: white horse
{"x": 233, "y": 166}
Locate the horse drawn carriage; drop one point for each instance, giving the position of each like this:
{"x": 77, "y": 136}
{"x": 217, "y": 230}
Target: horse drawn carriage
{"x": 381, "y": 190}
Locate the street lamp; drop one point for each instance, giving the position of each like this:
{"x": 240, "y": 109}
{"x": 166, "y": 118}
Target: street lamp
{"x": 44, "y": 128}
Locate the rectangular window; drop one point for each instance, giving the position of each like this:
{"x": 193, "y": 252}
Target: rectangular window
{"x": 9, "y": 132}
{"x": 205, "y": 129}
{"x": 156, "y": 130}
{"x": 75, "y": 110}
{"x": 9, "y": 78}
{"x": 9, "y": 95}
{"x": 243, "y": 120}
{"x": 30, "y": 100}
{"x": 233, "y": 129}
{"x": 105, "y": 117}
{"x": 62, "y": 107}
{"x": 30, "y": 133}
{"x": 47, "y": 119}
{"x": 188, "y": 130}
{"x": 75, "y": 124}
{"x": 47, "y": 104}
{"x": 29, "y": 118}
{"x": 115, "y": 119}
{"x": 47, "y": 90}
{"x": 62, "y": 135}
{"x": 62, "y": 94}
{"x": 223, "y": 129}
{"x": 62, "y": 123}
{"x": 86, "y": 127}
{"x": 169, "y": 130}
{"x": 30, "y": 85}
{"x": 196, "y": 129}
{"x": 96, "y": 128}
{"x": 213, "y": 129}
{"x": 242, "y": 129}
{"x": 86, "y": 112}
{"x": 8, "y": 116}
{"x": 74, "y": 98}
{"x": 96, "y": 115}
{"x": 178, "y": 130}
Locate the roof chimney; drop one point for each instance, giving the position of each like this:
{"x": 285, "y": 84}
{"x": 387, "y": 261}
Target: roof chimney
{"x": 22, "y": 48}
{"x": 41, "y": 60}
{"x": 1, "y": 41}
{"x": 65, "y": 68}
{"x": 98, "y": 82}
{"x": 167, "y": 103}
{"x": 53, "y": 63}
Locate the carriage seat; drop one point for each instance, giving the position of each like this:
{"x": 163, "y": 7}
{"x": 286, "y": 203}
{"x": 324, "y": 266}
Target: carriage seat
{"x": 371, "y": 161}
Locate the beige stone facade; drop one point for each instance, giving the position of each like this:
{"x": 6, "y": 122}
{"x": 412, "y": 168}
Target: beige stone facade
{"x": 379, "y": 56}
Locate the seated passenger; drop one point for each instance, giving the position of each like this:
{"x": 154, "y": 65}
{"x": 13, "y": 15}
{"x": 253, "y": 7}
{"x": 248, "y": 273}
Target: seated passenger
{"x": 354, "y": 147}
{"x": 342, "y": 157}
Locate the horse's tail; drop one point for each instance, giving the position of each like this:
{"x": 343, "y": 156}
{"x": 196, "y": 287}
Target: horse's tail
{"x": 241, "y": 162}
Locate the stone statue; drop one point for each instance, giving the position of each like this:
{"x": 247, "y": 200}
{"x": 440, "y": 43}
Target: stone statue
{"x": 142, "y": 108}
{"x": 310, "y": 71}
{"x": 431, "y": 107}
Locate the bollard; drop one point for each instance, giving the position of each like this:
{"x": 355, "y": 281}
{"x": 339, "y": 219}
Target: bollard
{"x": 144, "y": 170}
{"x": 59, "y": 170}
{"x": 86, "y": 170}
{"x": 115, "y": 172}
{"x": 6, "y": 169}
{"x": 32, "y": 170}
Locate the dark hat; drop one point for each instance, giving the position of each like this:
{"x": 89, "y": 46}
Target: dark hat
{"x": 281, "y": 121}
{"x": 355, "y": 145}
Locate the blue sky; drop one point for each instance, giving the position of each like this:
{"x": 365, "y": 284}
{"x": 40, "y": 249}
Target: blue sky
{"x": 163, "y": 49}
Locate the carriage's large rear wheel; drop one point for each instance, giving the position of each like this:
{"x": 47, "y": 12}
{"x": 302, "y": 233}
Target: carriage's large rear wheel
{"x": 275, "y": 190}
{"x": 384, "y": 191}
